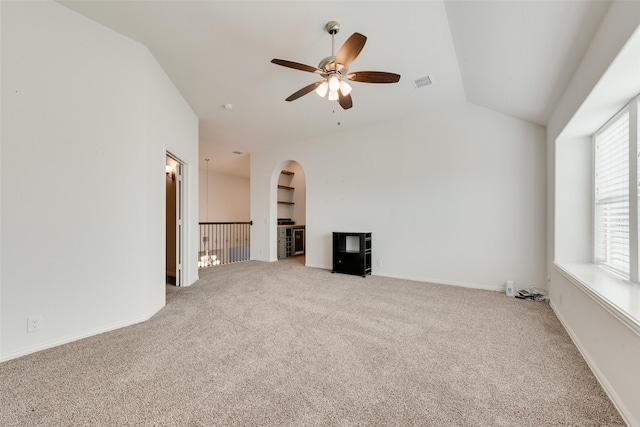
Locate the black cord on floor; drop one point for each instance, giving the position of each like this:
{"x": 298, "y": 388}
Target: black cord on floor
{"x": 533, "y": 293}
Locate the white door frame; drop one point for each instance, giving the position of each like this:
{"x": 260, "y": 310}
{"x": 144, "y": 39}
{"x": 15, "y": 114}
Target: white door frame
{"x": 181, "y": 221}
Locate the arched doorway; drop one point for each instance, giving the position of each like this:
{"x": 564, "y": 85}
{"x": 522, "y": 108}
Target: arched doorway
{"x": 291, "y": 210}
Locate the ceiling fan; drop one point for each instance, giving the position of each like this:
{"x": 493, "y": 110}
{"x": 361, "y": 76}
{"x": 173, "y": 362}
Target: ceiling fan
{"x": 334, "y": 70}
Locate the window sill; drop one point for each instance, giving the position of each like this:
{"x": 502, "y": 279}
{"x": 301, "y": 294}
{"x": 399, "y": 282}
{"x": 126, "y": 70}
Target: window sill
{"x": 619, "y": 297}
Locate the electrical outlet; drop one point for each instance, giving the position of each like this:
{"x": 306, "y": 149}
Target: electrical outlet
{"x": 560, "y": 299}
{"x": 379, "y": 264}
{"x": 34, "y": 323}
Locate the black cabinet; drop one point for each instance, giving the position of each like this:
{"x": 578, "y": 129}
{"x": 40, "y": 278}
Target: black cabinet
{"x": 352, "y": 253}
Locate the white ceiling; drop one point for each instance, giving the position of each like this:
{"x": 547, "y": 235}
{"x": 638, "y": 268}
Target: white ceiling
{"x": 512, "y": 56}
{"x": 518, "y": 57}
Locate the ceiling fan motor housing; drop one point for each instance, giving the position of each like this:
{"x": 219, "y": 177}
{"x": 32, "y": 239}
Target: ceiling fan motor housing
{"x": 329, "y": 66}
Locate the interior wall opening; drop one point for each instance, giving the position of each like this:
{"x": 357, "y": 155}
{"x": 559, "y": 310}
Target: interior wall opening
{"x": 292, "y": 212}
{"x": 173, "y": 215}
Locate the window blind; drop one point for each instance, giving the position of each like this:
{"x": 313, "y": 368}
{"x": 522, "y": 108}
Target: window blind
{"x": 612, "y": 240}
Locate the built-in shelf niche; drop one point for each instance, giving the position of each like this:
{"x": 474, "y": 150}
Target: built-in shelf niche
{"x": 288, "y": 193}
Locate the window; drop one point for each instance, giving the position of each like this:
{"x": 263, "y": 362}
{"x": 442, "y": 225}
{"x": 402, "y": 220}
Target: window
{"x": 615, "y": 200}
{"x": 612, "y": 195}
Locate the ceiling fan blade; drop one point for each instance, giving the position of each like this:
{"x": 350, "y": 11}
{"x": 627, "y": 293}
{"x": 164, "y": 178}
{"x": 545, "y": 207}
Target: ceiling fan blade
{"x": 373, "y": 77}
{"x": 297, "y": 66}
{"x": 345, "y": 101}
{"x": 305, "y": 90}
{"x": 350, "y": 49}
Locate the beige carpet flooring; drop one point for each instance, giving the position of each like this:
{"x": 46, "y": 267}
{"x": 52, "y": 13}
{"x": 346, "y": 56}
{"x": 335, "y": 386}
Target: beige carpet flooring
{"x": 278, "y": 344}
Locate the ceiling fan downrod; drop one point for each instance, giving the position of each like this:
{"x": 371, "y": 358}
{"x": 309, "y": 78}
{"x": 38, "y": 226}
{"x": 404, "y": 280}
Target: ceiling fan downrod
{"x": 328, "y": 64}
{"x": 332, "y": 27}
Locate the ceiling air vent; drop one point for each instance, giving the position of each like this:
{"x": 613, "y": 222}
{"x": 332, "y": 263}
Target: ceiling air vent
{"x": 422, "y": 82}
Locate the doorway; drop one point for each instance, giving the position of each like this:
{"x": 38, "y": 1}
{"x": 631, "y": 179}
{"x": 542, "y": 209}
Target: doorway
{"x": 291, "y": 209}
{"x": 174, "y": 245}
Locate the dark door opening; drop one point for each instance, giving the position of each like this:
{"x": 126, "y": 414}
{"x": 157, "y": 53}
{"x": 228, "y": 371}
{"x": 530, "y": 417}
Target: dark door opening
{"x": 174, "y": 211}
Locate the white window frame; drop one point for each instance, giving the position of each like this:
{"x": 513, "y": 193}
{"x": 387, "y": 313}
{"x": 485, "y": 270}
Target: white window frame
{"x": 634, "y": 193}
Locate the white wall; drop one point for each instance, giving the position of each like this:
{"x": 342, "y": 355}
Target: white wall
{"x": 594, "y": 95}
{"x": 454, "y": 195}
{"x": 87, "y": 116}
{"x": 575, "y": 159}
{"x": 228, "y": 197}
{"x": 172, "y": 127}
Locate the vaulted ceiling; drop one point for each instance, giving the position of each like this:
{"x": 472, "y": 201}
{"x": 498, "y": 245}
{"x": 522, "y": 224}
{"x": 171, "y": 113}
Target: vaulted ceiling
{"x": 515, "y": 57}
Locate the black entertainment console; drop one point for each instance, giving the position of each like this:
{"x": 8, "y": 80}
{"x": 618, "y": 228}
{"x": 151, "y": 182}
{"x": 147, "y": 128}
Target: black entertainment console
{"x": 352, "y": 253}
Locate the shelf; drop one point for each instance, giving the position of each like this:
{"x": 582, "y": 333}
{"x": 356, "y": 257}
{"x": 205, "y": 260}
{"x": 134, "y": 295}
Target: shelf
{"x": 285, "y": 203}
{"x": 285, "y": 187}
{"x": 287, "y": 172}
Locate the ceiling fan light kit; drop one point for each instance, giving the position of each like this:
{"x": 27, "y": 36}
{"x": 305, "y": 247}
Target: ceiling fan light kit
{"x": 322, "y": 89}
{"x": 345, "y": 88}
{"x": 335, "y": 68}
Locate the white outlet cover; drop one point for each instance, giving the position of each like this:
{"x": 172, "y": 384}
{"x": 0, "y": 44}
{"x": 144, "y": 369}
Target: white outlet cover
{"x": 34, "y": 323}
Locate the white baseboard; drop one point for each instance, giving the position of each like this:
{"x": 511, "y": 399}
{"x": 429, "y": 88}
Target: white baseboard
{"x": 498, "y": 288}
{"x": 608, "y": 389}
{"x": 71, "y": 338}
